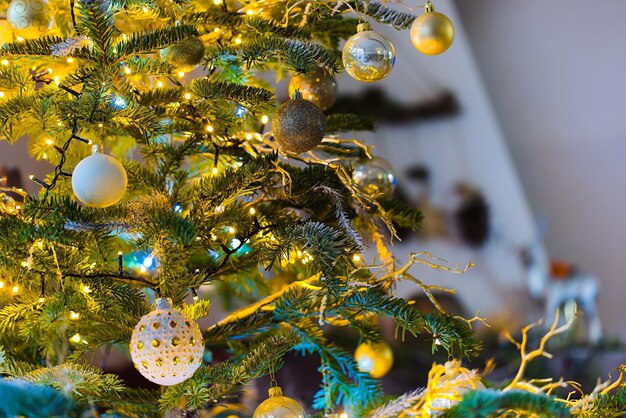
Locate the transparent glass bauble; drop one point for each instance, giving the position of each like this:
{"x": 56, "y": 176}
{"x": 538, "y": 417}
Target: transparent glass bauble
{"x": 279, "y": 406}
{"x": 368, "y": 56}
{"x": 375, "y": 176}
{"x": 317, "y": 87}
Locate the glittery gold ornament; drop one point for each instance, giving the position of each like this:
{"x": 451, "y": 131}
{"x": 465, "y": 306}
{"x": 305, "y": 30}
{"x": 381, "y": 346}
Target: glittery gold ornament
{"x": 166, "y": 345}
{"x": 186, "y": 55}
{"x": 318, "y": 87}
{"x": 374, "y": 176}
{"x": 432, "y": 32}
{"x": 298, "y": 125}
{"x": 374, "y": 358}
{"x": 368, "y": 56}
{"x": 29, "y": 18}
{"x": 279, "y": 406}
{"x": 447, "y": 384}
{"x": 99, "y": 180}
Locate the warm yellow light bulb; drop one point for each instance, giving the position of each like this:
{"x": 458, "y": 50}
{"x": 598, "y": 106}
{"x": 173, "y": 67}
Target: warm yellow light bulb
{"x": 75, "y": 338}
{"x": 250, "y": 12}
{"x": 356, "y": 257}
{"x": 265, "y": 119}
{"x": 216, "y": 30}
{"x": 70, "y": 60}
{"x": 124, "y": 36}
{"x": 20, "y": 39}
{"x": 1, "y": 94}
{"x": 86, "y": 289}
{"x": 5, "y": 62}
{"x": 74, "y": 315}
{"x": 127, "y": 70}
{"x": 231, "y": 229}
{"x": 217, "y": 2}
{"x": 343, "y": 415}
{"x": 181, "y": 73}
{"x": 252, "y": 211}
{"x": 143, "y": 269}
{"x": 49, "y": 142}
{"x": 238, "y": 40}
{"x": 159, "y": 83}
{"x": 187, "y": 96}
{"x": 1, "y": 284}
{"x": 15, "y": 289}
{"x": 209, "y": 128}
{"x": 214, "y": 171}
{"x": 41, "y": 300}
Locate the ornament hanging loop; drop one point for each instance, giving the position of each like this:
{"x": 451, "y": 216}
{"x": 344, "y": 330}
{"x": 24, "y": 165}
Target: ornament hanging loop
{"x": 429, "y": 8}
{"x": 363, "y": 27}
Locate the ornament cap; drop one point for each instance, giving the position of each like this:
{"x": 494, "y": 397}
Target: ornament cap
{"x": 362, "y": 27}
{"x": 297, "y": 95}
{"x": 163, "y": 303}
{"x": 95, "y": 149}
{"x": 275, "y": 391}
{"x": 429, "y": 8}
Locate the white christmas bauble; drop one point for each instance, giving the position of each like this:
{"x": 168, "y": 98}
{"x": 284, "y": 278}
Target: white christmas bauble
{"x": 99, "y": 180}
{"x": 29, "y": 18}
{"x": 166, "y": 345}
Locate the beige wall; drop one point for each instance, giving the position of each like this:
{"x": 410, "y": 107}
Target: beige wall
{"x": 556, "y": 73}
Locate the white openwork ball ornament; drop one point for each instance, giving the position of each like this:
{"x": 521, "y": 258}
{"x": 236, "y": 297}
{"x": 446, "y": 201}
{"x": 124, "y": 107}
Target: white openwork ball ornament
{"x": 166, "y": 345}
{"x": 99, "y": 180}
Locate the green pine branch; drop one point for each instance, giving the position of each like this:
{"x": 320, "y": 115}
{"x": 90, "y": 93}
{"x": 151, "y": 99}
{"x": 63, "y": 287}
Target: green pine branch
{"x": 489, "y": 402}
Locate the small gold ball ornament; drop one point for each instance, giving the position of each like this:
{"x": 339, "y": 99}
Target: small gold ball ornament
{"x": 279, "y": 406}
{"x": 432, "y": 32}
{"x": 99, "y": 180}
{"x": 185, "y": 55}
{"x": 166, "y": 345}
{"x": 318, "y": 87}
{"x": 374, "y": 358}
{"x": 298, "y": 125}
{"x": 29, "y": 18}
{"x": 368, "y": 56}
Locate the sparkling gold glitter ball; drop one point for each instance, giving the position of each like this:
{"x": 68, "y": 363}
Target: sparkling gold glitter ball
{"x": 298, "y": 125}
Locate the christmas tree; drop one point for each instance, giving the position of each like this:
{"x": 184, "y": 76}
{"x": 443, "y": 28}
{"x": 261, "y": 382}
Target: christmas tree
{"x": 160, "y": 112}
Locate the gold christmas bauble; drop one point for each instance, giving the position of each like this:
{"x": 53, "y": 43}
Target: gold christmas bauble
{"x": 186, "y": 55}
{"x": 318, "y": 87}
{"x": 166, "y": 345}
{"x": 99, "y": 180}
{"x": 432, "y": 32}
{"x": 368, "y": 56}
{"x": 29, "y": 18}
{"x": 374, "y": 358}
{"x": 279, "y": 406}
{"x": 298, "y": 125}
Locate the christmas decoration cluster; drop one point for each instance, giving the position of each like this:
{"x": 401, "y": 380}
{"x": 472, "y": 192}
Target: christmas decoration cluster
{"x": 190, "y": 184}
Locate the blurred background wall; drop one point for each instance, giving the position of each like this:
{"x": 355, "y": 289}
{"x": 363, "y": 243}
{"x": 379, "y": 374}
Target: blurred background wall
{"x": 556, "y": 74}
